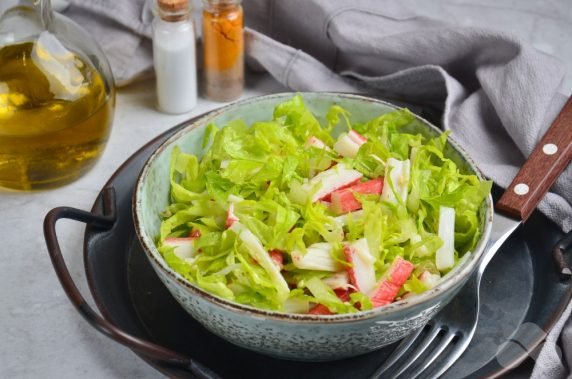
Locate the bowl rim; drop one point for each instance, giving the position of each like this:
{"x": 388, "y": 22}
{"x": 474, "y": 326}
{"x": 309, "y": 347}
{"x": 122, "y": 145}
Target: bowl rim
{"x": 450, "y": 280}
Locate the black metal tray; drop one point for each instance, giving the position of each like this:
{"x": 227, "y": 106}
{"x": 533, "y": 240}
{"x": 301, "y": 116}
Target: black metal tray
{"x": 521, "y": 292}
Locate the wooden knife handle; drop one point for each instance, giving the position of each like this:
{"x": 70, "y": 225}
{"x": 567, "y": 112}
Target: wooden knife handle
{"x": 548, "y": 159}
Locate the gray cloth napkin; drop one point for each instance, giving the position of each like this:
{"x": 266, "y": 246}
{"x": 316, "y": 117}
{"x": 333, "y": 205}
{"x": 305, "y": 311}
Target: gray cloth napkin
{"x": 123, "y": 30}
{"x": 550, "y": 361}
{"x": 496, "y": 95}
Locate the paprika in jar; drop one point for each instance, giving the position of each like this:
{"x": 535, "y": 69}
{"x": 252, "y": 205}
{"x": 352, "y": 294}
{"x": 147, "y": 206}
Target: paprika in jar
{"x": 223, "y": 44}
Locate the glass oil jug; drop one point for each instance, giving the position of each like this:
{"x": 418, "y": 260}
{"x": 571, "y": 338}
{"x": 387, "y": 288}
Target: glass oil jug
{"x": 57, "y": 97}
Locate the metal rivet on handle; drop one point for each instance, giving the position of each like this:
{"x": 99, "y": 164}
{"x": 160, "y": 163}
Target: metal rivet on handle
{"x": 550, "y": 149}
{"x": 521, "y": 189}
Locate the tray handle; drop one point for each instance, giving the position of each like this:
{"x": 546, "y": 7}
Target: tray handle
{"x": 105, "y": 222}
{"x": 558, "y": 255}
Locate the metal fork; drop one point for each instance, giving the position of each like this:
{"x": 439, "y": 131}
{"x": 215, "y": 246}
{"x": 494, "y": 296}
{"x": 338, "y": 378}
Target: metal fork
{"x": 447, "y": 335}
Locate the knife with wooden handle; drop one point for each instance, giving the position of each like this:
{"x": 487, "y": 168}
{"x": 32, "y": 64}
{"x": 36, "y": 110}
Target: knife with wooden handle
{"x": 547, "y": 161}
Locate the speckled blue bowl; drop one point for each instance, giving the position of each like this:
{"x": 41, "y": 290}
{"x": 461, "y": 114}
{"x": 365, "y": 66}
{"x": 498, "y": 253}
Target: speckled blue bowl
{"x": 292, "y": 336}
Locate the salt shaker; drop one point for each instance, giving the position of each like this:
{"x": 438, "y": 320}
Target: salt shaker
{"x": 174, "y": 56}
{"x": 223, "y": 44}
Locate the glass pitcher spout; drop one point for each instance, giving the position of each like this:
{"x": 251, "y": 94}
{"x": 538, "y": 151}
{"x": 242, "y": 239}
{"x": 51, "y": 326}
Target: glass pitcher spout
{"x": 23, "y": 19}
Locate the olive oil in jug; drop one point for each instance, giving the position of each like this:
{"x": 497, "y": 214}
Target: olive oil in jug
{"x": 55, "y": 114}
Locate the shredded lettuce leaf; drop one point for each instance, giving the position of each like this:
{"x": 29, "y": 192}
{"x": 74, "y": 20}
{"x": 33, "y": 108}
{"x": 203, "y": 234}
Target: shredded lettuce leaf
{"x": 250, "y": 171}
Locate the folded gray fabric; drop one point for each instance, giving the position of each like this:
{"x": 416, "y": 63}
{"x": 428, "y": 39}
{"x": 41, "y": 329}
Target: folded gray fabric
{"x": 550, "y": 361}
{"x": 123, "y": 29}
{"x": 497, "y": 95}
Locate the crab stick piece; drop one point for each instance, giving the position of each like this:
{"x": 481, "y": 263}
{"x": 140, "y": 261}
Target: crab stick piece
{"x": 184, "y": 246}
{"x": 317, "y": 257}
{"x": 338, "y": 280}
{"x": 325, "y": 183}
{"x": 317, "y": 143}
{"x": 231, "y": 218}
{"x": 388, "y": 288}
{"x": 361, "y": 272}
{"x": 344, "y": 201}
{"x": 348, "y": 144}
{"x": 398, "y": 172}
{"x": 277, "y": 258}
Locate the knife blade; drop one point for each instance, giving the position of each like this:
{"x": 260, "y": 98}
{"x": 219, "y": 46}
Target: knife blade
{"x": 544, "y": 165}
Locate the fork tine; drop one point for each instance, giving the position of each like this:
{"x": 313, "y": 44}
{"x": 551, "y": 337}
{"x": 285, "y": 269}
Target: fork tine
{"x": 434, "y": 355}
{"x": 454, "y": 354}
{"x": 427, "y": 340}
{"x": 397, "y": 353}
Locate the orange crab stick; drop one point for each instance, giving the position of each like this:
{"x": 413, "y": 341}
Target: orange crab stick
{"x": 388, "y": 288}
{"x": 344, "y": 201}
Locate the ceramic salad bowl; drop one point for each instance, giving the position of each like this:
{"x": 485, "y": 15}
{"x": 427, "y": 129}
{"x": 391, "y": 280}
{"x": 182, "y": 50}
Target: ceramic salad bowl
{"x": 285, "y": 335}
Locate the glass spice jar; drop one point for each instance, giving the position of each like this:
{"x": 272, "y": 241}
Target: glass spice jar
{"x": 223, "y": 49}
{"x": 174, "y": 56}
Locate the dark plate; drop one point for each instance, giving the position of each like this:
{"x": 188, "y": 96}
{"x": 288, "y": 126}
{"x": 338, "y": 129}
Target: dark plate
{"x": 521, "y": 292}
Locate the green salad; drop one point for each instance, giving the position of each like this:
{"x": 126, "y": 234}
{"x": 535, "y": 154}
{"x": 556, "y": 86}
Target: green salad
{"x": 302, "y": 216}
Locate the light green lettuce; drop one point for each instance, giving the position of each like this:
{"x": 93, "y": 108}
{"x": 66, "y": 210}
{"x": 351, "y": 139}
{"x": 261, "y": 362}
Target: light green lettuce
{"x": 254, "y": 168}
